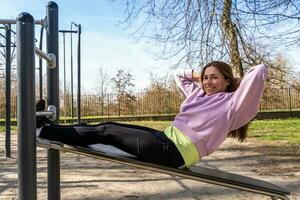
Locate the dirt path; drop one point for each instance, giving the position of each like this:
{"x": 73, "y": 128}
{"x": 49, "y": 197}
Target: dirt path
{"x": 86, "y": 178}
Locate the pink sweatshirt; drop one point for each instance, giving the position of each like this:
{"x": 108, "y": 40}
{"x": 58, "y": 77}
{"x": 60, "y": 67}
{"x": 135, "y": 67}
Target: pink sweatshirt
{"x": 206, "y": 120}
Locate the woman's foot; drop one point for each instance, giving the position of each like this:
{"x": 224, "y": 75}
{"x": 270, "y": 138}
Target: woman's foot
{"x": 41, "y": 120}
{"x": 40, "y": 105}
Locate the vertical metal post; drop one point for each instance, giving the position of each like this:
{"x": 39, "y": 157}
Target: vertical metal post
{"x": 26, "y": 108}
{"x": 65, "y": 87}
{"x": 7, "y": 90}
{"x": 78, "y": 75}
{"x": 72, "y": 101}
{"x": 41, "y": 65}
{"x": 290, "y": 99}
{"x": 53, "y": 98}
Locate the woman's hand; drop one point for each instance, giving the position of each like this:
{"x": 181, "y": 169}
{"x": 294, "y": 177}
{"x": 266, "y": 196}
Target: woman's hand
{"x": 196, "y": 77}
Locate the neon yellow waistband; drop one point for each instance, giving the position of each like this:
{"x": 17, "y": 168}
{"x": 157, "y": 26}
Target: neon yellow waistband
{"x": 185, "y": 146}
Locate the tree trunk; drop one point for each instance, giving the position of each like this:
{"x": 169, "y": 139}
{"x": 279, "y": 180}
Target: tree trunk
{"x": 229, "y": 29}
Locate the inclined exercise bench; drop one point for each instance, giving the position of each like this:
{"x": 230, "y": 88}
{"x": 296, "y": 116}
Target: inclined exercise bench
{"x": 203, "y": 174}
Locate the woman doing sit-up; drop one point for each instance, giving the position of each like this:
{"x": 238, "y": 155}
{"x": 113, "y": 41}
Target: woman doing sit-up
{"x": 217, "y": 108}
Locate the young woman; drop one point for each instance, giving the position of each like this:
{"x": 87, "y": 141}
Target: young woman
{"x": 217, "y": 108}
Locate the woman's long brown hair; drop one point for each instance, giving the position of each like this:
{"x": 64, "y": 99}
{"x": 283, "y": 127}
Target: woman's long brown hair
{"x": 241, "y": 133}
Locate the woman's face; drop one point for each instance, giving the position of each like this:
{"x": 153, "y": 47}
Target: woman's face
{"x": 214, "y": 81}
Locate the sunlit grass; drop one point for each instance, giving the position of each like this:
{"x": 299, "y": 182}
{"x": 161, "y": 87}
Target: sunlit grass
{"x": 159, "y": 125}
{"x": 283, "y": 130}
{"x": 13, "y": 128}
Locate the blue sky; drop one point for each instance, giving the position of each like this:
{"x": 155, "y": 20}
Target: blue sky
{"x": 105, "y": 44}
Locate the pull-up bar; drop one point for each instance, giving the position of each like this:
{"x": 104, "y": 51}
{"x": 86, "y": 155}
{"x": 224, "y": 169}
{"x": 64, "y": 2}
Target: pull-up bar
{"x": 67, "y": 31}
{"x": 14, "y": 21}
{"x": 78, "y": 31}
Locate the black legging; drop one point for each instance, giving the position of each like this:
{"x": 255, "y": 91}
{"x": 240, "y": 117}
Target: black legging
{"x": 147, "y": 144}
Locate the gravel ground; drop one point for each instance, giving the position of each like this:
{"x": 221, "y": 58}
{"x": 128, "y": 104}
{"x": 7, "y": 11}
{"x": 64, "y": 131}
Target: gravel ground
{"x": 87, "y": 178}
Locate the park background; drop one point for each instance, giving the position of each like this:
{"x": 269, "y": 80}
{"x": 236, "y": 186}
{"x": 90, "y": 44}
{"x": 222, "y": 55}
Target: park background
{"x": 128, "y": 73}
{"x": 129, "y": 51}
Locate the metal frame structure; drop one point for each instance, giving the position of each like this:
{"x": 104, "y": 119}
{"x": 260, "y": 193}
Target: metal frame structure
{"x": 26, "y": 102}
{"x": 8, "y": 45}
{"x": 78, "y": 32}
{"x": 50, "y": 58}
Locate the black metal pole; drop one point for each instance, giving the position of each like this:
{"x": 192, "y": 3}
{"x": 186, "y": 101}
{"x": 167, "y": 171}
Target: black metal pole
{"x": 72, "y": 95}
{"x": 65, "y": 88}
{"x": 78, "y": 75}
{"x": 41, "y": 65}
{"x": 7, "y": 90}
{"x": 26, "y": 108}
{"x": 53, "y": 98}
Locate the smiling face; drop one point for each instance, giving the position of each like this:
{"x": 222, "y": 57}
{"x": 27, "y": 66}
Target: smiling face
{"x": 213, "y": 81}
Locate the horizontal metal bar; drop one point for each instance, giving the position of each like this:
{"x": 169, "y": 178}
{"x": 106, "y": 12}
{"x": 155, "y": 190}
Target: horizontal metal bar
{"x": 1, "y": 45}
{"x": 50, "y": 58}
{"x": 44, "y": 114}
{"x": 10, "y": 29}
{"x": 42, "y": 54}
{"x": 13, "y": 21}
{"x": 51, "y": 113}
{"x": 67, "y": 31}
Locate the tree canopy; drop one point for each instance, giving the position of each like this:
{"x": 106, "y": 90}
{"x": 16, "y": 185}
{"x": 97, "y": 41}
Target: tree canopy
{"x": 243, "y": 32}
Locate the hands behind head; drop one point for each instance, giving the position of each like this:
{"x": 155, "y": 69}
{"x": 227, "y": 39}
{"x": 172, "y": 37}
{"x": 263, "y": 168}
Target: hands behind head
{"x": 196, "y": 77}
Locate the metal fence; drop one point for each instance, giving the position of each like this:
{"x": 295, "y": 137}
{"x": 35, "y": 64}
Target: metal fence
{"x": 164, "y": 103}
{"x": 280, "y": 99}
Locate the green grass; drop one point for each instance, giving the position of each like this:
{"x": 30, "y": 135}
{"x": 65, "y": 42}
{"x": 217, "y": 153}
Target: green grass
{"x": 159, "y": 125}
{"x": 287, "y": 130}
{"x": 283, "y": 130}
{"x": 13, "y": 128}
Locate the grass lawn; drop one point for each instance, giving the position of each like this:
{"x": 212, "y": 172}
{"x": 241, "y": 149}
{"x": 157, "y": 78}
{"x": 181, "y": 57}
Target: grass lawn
{"x": 283, "y": 130}
{"x": 287, "y": 130}
{"x": 13, "y": 128}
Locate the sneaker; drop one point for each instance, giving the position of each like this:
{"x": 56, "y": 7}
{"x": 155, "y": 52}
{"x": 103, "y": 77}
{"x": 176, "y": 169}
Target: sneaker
{"x": 40, "y": 106}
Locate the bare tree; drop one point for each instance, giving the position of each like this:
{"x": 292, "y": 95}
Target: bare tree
{"x": 122, "y": 82}
{"x": 122, "y": 85}
{"x": 243, "y": 32}
{"x": 103, "y": 81}
{"x": 103, "y": 86}
{"x": 281, "y": 75}
{"x": 161, "y": 96}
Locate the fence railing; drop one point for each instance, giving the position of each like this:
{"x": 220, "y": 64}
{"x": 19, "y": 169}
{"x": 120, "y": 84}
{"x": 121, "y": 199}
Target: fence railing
{"x": 164, "y": 103}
